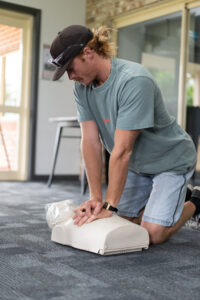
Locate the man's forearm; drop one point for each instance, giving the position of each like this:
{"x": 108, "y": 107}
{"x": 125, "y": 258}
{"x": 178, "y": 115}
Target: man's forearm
{"x": 118, "y": 169}
{"x": 92, "y": 154}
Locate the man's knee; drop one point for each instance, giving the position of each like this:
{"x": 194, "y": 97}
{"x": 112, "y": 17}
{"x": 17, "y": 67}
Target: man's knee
{"x": 157, "y": 233}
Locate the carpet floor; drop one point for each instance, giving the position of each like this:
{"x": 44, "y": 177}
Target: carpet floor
{"x": 33, "y": 267}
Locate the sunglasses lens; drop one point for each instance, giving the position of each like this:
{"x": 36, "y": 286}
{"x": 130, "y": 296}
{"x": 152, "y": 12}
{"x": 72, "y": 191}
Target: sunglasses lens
{"x": 69, "y": 52}
{"x": 56, "y": 64}
{"x": 59, "y": 61}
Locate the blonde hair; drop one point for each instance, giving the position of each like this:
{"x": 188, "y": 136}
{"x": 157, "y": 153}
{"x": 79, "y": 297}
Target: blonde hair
{"x": 101, "y": 43}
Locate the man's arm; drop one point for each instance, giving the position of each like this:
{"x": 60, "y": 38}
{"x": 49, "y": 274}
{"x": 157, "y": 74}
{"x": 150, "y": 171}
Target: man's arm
{"x": 119, "y": 162}
{"x": 92, "y": 153}
{"x": 118, "y": 169}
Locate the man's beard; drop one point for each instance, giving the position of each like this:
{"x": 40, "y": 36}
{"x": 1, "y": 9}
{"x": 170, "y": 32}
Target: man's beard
{"x": 77, "y": 79}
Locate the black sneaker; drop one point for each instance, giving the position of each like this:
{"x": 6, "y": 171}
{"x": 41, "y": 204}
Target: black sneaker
{"x": 189, "y": 192}
{"x": 195, "y": 199}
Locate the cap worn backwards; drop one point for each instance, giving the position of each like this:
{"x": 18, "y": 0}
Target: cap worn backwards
{"x": 67, "y": 45}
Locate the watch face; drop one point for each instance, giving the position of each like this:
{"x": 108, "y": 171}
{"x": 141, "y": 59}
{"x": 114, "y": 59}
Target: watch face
{"x": 105, "y": 205}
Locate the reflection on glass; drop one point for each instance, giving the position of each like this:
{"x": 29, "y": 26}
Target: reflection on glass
{"x": 193, "y": 79}
{"x": 198, "y": 157}
{"x": 9, "y": 128}
{"x": 156, "y": 45}
{"x": 193, "y": 67}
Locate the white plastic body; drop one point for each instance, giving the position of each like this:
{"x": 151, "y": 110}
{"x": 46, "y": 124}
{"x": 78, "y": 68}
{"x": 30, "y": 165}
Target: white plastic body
{"x": 106, "y": 236}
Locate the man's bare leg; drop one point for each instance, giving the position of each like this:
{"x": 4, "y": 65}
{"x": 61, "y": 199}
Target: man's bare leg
{"x": 135, "y": 220}
{"x": 159, "y": 233}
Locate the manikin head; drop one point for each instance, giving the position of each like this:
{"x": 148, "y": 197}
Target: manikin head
{"x": 80, "y": 52}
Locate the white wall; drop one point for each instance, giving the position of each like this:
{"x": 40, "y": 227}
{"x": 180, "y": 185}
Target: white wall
{"x": 55, "y": 98}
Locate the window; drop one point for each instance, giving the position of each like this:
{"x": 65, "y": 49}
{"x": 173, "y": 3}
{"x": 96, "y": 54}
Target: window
{"x": 165, "y": 38}
{"x": 156, "y": 45}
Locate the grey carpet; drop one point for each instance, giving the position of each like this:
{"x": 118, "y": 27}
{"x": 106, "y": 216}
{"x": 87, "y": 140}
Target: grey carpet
{"x": 33, "y": 267}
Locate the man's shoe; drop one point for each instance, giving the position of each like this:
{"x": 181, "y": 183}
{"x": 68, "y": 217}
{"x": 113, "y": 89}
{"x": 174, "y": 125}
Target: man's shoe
{"x": 189, "y": 192}
{"x": 195, "y": 191}
{"x": 195, "y": 199}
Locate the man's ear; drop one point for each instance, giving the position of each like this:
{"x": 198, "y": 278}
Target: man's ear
{"x": 87, "y": 52}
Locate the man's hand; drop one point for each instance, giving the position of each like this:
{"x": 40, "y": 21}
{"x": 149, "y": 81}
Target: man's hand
{"x": 103, "y": 214}
{"x": 90, "y": 211}
{"x": 86, "y": 210}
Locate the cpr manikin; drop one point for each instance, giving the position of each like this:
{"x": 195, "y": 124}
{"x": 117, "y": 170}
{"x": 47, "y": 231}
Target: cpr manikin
{"x": 104, "y": 236}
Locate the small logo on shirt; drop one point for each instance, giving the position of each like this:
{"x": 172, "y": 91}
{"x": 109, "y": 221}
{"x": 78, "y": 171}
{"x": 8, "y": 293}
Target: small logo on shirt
{"x": 106, "y": 121}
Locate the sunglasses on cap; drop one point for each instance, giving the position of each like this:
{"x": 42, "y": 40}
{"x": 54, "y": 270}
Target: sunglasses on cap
{"x": 67, "y": 55}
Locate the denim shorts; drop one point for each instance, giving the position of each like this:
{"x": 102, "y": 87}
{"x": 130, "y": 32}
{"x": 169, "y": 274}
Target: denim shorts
{"x": 162, "y": 195}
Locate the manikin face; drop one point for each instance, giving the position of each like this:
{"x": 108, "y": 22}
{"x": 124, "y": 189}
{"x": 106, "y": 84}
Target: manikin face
{"x": 82, "y": 70}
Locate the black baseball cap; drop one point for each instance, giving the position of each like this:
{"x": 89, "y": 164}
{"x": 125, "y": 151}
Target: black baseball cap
{"x": 67, "y": 45}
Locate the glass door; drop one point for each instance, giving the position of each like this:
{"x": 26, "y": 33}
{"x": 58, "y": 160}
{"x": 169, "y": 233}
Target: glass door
{"x": 193, "y": 81}
{"x": 193, "y": 65}
{"x": 156, "y": 45}
{"x": 15, "y": 42}
{"x": 10, "y": 99}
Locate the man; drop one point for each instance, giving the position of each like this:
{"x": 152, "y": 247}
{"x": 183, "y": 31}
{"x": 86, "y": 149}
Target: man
{"x": 152, "y": 158}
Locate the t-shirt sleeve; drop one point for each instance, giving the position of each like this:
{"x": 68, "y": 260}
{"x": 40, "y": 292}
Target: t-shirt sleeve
{"x": 83, "y": 110}
{"x": 136, "y": 104}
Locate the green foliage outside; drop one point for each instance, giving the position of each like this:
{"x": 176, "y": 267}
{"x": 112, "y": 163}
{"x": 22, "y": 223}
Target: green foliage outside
{"x": 189, "y": 93}
{"x": 165, "y": 80}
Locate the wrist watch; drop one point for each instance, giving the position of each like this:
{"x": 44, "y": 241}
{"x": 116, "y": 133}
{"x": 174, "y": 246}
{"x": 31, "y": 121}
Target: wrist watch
{"x": 108, "y": 206}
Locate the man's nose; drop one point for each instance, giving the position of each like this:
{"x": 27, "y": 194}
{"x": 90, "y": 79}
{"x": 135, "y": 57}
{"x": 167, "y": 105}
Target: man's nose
{"x": 71, "y": 75}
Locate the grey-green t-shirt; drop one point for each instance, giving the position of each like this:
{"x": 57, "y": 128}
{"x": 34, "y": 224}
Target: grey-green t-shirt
{"x": 130, "y": 99}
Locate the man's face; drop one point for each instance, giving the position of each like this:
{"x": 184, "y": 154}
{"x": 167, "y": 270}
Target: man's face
{"x": 81, "y": 70}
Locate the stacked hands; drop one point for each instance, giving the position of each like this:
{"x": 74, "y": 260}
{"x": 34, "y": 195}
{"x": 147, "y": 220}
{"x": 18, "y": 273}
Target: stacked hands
{"x": 90, "y": 211}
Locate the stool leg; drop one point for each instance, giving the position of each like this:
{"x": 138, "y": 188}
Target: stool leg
{"x": 55, "y": 153}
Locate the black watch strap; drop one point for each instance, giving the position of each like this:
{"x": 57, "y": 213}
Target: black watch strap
{"x": 108, "y": 206}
